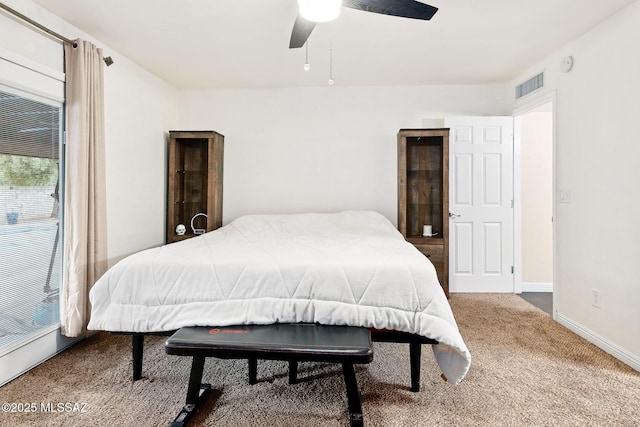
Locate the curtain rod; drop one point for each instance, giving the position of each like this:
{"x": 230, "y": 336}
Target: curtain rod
{"x": 37, "y": 25}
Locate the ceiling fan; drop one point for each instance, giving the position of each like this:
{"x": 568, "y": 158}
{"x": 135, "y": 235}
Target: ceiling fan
{"x": 314, "y": 11}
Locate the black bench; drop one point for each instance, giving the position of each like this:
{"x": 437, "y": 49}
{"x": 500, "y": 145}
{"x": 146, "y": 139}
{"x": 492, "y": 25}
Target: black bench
{"x": 290, "y": 342}
{"x": 415, "y": 350}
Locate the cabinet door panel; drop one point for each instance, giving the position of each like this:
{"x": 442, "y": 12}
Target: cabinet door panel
{"x": 434, "y": 253}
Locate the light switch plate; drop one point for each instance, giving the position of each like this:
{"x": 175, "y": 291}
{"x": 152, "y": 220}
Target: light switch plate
{"x": 565, "y": 196}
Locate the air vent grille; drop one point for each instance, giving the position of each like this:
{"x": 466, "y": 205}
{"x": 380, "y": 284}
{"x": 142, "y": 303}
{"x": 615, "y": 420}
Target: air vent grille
{"x": 535, "y": 82}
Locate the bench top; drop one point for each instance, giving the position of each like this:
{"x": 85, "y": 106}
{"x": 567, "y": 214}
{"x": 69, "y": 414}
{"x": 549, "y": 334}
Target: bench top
{"x": 280, "y": 341}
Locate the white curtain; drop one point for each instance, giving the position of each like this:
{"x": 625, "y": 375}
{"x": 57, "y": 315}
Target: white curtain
{"x": 85, "y": 246}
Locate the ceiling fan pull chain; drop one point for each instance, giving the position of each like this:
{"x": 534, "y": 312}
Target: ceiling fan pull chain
{"x": 331, "y": 64}
{"x": 307, "y": 66}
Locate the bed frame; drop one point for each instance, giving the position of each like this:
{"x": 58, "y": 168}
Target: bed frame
{"x": 415, "y": 349}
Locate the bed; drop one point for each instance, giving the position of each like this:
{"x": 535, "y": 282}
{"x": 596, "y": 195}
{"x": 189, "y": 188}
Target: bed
{"x": 349, "y": 268}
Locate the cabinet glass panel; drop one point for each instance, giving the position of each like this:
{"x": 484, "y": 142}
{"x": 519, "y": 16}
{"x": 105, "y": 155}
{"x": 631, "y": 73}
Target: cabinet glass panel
{"x": 424, "y": 185}
{"x": 191, "y": 180}
{"x": 194, "y": 182}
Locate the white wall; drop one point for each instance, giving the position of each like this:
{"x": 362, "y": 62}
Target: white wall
{"x": 325, "y": 148}
{"x": 597, "y": 160}
{"x": 139, "y": 110}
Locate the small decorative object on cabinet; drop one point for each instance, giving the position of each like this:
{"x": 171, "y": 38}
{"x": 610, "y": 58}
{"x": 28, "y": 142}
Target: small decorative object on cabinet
{"x": 423, "y": 195}
{"x": 194, "y": 188}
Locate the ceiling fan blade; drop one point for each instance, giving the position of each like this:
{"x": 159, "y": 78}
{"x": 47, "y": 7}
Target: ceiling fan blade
{"x": 403, "y": 8}
{"x": 301, "y": 31}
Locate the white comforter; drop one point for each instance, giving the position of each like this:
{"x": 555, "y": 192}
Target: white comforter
{"x": 349, "y": 268}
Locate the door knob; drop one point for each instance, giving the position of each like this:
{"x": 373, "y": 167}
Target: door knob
{"x": 452, "y": 215}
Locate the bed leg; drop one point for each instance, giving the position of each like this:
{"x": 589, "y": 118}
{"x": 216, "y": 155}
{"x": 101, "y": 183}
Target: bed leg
{"x": 415, "y": 351}
{"x": 137, "y": 347}
{"x": 293, "y": 371}
{"x": 253, "y": 370}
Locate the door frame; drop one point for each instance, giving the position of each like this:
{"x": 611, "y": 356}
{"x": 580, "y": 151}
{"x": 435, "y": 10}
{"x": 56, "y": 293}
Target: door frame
{"x": 531, "y": 104}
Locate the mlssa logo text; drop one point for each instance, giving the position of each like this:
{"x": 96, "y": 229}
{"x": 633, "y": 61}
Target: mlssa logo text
{"x": 63, "y": 407}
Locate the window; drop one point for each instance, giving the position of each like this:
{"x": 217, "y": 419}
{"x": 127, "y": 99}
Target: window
{"x": 30, "y": 131}
{"x": 31, "y": 121}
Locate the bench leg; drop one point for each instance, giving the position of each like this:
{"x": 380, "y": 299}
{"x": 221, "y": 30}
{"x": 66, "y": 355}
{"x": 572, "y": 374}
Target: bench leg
{"x": 253, "y": 371}
{"x": 353, "y": 396}
{"x": 196, "y": 392}
{"x": 137, "y": 349}
{"x": 415, "y": 351}
{"x": 293, "y": 372}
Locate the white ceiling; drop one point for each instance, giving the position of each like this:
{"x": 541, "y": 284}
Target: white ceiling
{"x": 244, "y": 43}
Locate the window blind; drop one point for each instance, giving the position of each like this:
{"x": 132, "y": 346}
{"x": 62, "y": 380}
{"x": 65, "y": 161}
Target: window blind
{"x": 29, "y": 216}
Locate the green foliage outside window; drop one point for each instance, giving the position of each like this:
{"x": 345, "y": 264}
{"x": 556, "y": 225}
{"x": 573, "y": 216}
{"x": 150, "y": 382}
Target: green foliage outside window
{"x": 23, "y": 171}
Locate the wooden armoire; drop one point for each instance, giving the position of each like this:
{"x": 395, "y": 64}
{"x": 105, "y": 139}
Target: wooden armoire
{"x": 423, "y": 194}
{"x": 194, "y": 183}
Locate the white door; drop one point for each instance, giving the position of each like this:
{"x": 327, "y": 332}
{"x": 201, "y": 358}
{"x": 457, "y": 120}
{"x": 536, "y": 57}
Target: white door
{"x": 480, "y": 204}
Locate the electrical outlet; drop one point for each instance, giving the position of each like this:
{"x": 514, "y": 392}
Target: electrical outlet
{"x": 595, "y": 298}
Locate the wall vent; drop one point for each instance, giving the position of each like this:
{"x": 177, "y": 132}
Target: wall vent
{"x": 535, "y": 82}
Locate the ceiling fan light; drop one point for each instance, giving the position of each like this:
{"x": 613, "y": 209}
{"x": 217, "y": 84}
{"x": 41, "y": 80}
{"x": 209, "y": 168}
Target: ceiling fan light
{"x": 320, "y": 10}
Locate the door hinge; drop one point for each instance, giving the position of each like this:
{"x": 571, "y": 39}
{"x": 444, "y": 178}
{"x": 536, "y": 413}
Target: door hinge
{"x": 64, "y": 138}
{"x": 511, "y": 203}
{"x": 512, "y": 269}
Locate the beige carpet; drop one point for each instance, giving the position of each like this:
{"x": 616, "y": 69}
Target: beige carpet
{"x": 526, "y": 370}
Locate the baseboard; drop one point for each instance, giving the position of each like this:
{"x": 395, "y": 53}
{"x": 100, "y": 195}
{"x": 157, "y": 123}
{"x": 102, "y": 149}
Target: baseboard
{"x": 616, "y": 351}
{"x": 537, "y": 287}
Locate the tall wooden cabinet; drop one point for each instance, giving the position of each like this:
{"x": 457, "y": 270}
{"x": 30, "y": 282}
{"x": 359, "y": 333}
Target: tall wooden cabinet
{"x": 194, "y": 183}
{"x": 423, "y": 194}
